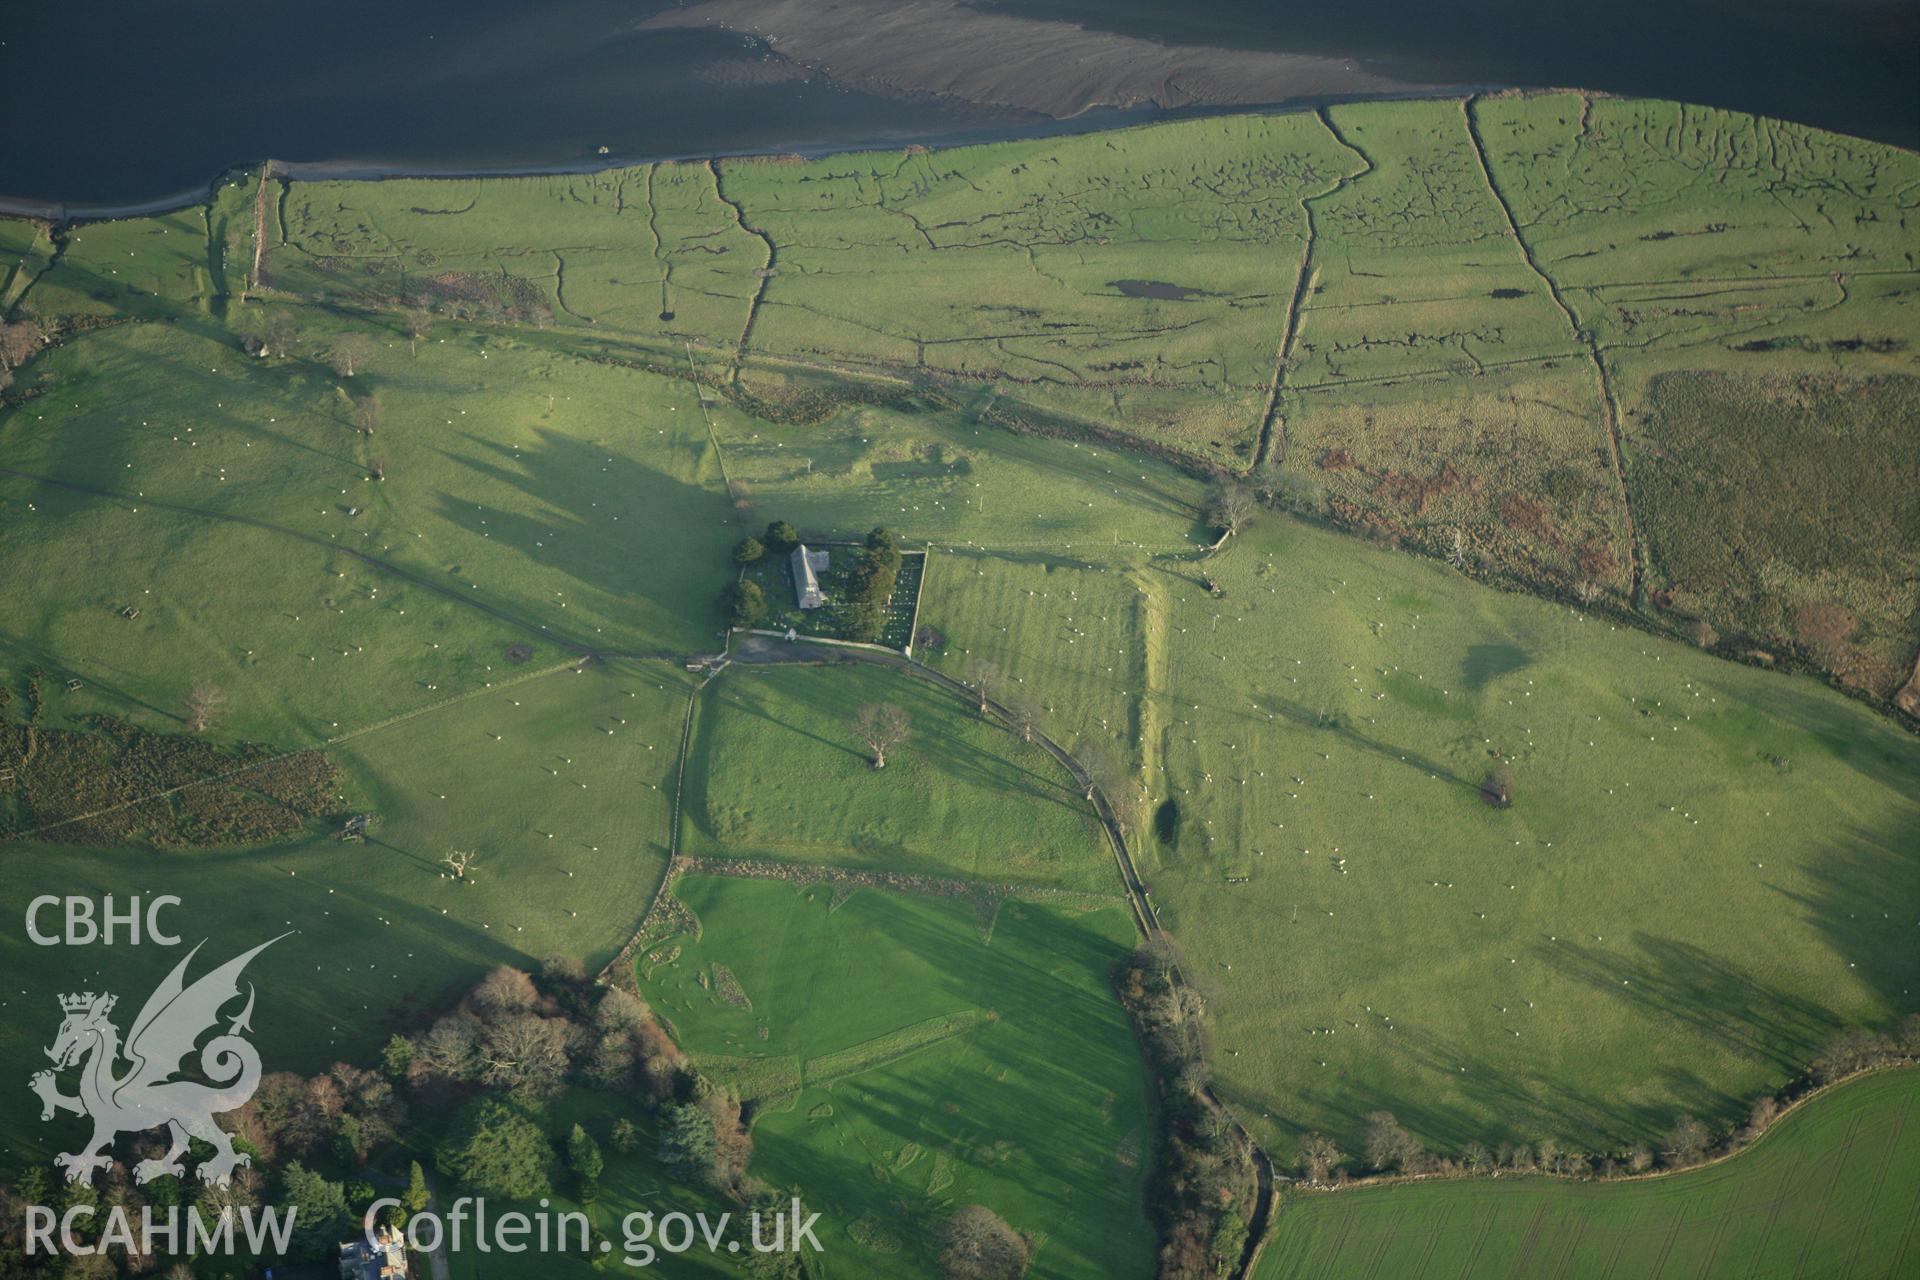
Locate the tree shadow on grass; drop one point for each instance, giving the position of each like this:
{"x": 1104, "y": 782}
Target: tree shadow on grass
{"x": 1341, "y": 729}
{"x": 1669, "y": 979}
{"x": 1057, "y": 1047}
{"x": 1847, "y": 732}
{"x": 1865, "y": 900}
{"x": 654, "y": 556}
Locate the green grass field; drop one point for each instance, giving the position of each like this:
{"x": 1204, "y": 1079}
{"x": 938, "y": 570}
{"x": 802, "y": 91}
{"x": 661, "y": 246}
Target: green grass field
{"x": 381, "y": 932}
{"x": 1340, "y": 702}
{"x": 776, "y": 771}
{"x": 1829, "y": 1191}
{"x": 1588, "y": 338}
{"x": 1027, "y": 1096}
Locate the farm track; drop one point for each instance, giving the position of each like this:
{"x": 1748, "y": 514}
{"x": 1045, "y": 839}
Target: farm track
{"x": 1880, "y": 1174}
{"x": 1609, "y": 404}
{"x": 1826, "y": 1197}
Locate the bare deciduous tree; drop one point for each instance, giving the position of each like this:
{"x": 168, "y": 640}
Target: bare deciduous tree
{"x": 450, "y": 1048}
{"x": 504, "y": 990}
{"x": 1024, "y": 717}
{"x": 1687, "y": 1143}
{"x": 525, "y": 1054}
{"x": 377, "y": 468}
{"x": 1388, "y": 1144}
{"x": 205, "y": 701}
{"x": 983, "y": 677}
{"x": 1105, "y": 768}
{"x": 458, "y": 860}
{"x": 882, "y": 726}
{"x": 349, "y": 352}
{"x": 1129, "y": 806}
{"x": 19, "y": 342}
{"x": 978, "y": 1245}
{"x": 1230, "y": 505}
{"x": 366, "y": 414}
{"x": 1318, "y": 1156}
{"x": 1497, "y": 787}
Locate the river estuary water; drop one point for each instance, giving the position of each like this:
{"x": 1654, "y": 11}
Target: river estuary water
{"x": 117, "y": 102}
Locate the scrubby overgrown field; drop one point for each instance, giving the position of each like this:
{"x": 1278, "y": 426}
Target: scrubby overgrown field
{"x": 432, "y": 492}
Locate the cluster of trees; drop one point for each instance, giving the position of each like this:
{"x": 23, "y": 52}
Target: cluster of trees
{"x": 742, "y": 602}
{"x": 1386, "y": 1147}
{"x": 977, "y": 1244}
{"x": 344, "y": 1113}
{"x": 326, "y": 1210}
{"x": 1202, "y": 1186}
{"x": 866, "y": 585}
{"x": 116, "y": 1187}
{"x": 482, "y": 1074}
{"x": 518, "y": 1039}
{"x": 277, "y": 334}
{"x": 869, "y": 586}
{"x": 19, "y": 343}
{"x": 528, "y": 1038}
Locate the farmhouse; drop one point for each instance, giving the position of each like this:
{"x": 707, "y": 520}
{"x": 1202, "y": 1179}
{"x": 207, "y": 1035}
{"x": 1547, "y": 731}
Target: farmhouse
{"x": 807, "y": 565}
{"x": 382, "y": 1256}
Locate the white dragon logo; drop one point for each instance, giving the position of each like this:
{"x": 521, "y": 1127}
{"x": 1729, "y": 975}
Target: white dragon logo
{"x": 145, "y": 1096}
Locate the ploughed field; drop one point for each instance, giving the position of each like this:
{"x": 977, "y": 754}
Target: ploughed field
{"x": 504, "y": 425}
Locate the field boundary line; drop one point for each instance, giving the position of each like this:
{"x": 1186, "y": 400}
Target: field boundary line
{"x": 321, "y": 745}
{"x": 257, "y": 275}
{"x": 939, "y": 1029}
{"x": 741, "y": 502}
{"x": 676, "y": 864}
{"x": 449, "y": 700}
{"x": 26, "y": 275}
{"x": 1146, "y": 920}
{"x": 1609, "y": 405}
{"x": 1290, "y": 331}
{"x": 887, "y": 879}
{"x": 766, "y": 269}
